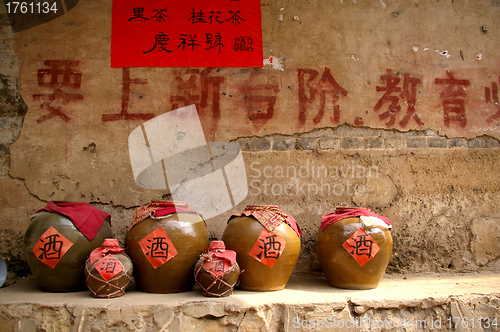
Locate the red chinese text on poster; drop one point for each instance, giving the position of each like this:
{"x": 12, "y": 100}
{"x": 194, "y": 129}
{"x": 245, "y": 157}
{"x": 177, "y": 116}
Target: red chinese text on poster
{"x": 51, "y": 247}
{"x": 268, "y": 248}
{"x": 200, "y": 33}
{"x": 108, "y": 267}
{"x": 361, "y": 246}
{"x": 157, "y": 247}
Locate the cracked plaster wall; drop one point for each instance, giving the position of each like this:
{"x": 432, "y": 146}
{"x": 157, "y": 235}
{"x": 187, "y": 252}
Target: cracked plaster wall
{"x": 438, "y": 182}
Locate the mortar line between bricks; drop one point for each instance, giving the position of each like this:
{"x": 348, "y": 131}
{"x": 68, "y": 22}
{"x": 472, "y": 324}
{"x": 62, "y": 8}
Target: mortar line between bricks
{"x": 349, "y": 142}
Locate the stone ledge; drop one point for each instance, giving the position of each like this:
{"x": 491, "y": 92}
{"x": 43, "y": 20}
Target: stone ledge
{"x": 305, "y": 304}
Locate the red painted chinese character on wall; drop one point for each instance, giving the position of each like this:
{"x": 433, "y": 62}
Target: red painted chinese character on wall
{"x": 260, "y": 98}
{"x": 453, "y": 97}
{"x": 63, "y": 79}
{"x": 124, "y": 114}
{"x": 488, "y": 94}
{"x": 393, "y": 93}
{"x": 193, "y": 87}
{"x": 325, "y": 87}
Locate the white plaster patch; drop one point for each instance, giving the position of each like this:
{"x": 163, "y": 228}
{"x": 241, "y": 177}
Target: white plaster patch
{"x": 443, "y": 53}
{"x": 415, "y": 48}
{"x": 277, "y": 63}
{"x": 354, "y": 58}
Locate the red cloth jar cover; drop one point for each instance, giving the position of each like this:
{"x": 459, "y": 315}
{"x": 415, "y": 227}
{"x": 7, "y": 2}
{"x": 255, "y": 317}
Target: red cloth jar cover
{"x": 343, "y": 213}
{"x": 86, "y": 218}
{"x": 157, "y": 209}
{"x": 269, "y": 216}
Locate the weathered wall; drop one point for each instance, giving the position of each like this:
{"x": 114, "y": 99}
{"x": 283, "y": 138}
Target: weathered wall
{"x": 398, "y": 100}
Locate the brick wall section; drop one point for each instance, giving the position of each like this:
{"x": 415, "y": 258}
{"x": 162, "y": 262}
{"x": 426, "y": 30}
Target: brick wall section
{"x": 360, "y": 138}
{"x": 12, "y": 107}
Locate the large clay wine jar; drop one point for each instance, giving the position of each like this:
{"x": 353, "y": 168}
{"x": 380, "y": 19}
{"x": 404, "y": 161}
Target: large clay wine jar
{"x": 354, "y": 247}
{"x": 108, "y": 270}
{"x": 164, "y": 243}
{"x": 267, "y": 244}
{"x": 58, "y": 241}
{"x": 217, "y": 271}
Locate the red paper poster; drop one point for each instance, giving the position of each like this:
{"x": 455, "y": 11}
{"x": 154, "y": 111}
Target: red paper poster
{"x": 361, "y": 246}
{"x": 108, "y": 267}
{"x": 157, "y": 247}
{"x": 198, "y": 33}
{"x": 268, "y": 248}
{"x": 51, "y": 247}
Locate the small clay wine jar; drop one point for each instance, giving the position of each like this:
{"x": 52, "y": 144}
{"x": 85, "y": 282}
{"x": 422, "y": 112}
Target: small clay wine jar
{"x": 267, "y": 244}
{"x": 354, "y": 247}
{"x": 108, "y": 270}
{"x": 217, "y": 271}
{"x": 59, "y": 240}
{"x": 164, "y": 243}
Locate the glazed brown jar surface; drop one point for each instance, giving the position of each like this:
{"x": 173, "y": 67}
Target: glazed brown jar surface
{"x": 161, "y": 266}
{"x": 44, "y": 249}
{"x": 245, "y": 235}
{"x": 346, "y": 251}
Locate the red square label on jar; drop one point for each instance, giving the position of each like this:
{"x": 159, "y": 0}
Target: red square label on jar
{"x": 361, "y": 246}
{"x": 108, "y": 267}
{"x": 268, "y": 248}
{"x": 51, "y": 247}
{"x": 157, "y": 247}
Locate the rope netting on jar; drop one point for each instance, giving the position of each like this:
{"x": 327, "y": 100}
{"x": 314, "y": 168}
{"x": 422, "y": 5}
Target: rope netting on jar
{"x": 218, "y": 278}
{"x": 113, "y": 283}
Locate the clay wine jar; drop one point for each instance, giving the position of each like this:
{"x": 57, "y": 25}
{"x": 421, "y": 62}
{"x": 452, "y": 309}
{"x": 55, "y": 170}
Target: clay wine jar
{"x": 217, "y": 271}
{"x": 164, "y": 243}
{"x": 50, "y": 234}
{"x": 108, "y": 270}
{"x": 246, "y": 235}
{"x": 354, "y": 247}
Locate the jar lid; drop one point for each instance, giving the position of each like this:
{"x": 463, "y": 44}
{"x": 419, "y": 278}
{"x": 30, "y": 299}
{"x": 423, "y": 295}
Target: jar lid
{"x": 110, "y": 243}
{"x": 269, "y": 216}
{"x": 109, "y": 246}
{"x": 217, "y": 250}
{"x": 217, "y": 245}
{"x": 157, "y": 209}
{"x": 343, "y": 213}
